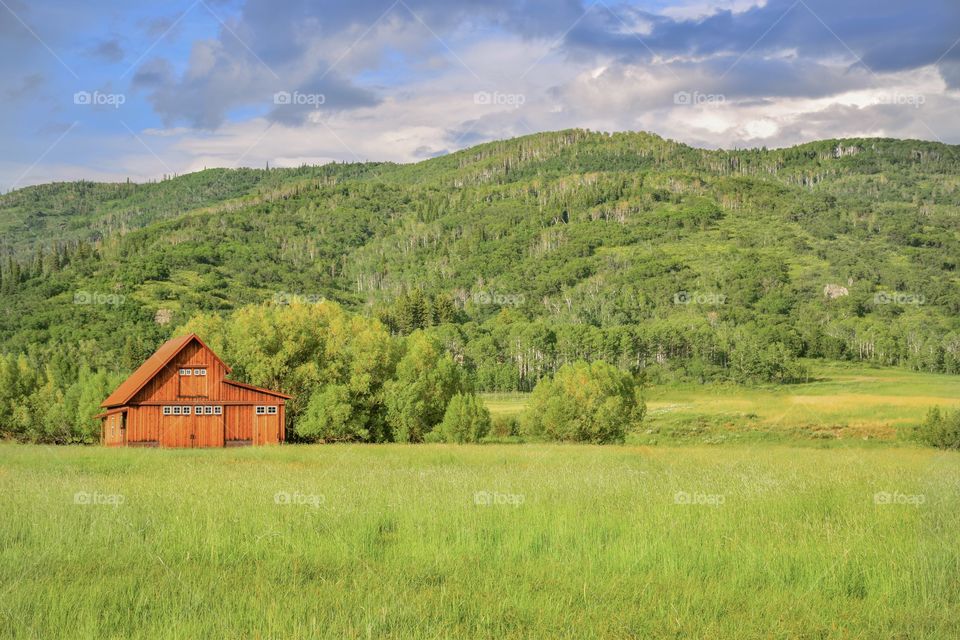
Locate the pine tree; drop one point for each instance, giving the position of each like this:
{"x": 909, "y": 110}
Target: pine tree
{"x": 36, "y": 270}
{"x": 443, "y": 309}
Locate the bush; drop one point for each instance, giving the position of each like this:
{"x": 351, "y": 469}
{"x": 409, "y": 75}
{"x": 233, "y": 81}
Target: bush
{"x": 426, "y": 379}
{"x": 505, "y": 427}
{"x": 584, "y": 403}
{"x": 333, "y": 416}
{"x": 940, "y": 429}
{"x": 466, "y": 419}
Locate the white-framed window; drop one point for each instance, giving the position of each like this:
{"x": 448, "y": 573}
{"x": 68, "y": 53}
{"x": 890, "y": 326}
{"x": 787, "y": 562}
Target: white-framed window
{"x": 186, "y": 409}
{"x": 217, "y": 411}
{"x": 175, "y": 410}
{"x": 167, "y": 411}
{"x": 208, "y": 410}
{"x": 272, "y": 411}
{"x": 185, "y": 372}
{"x": 261, "y": 411}
{"x": 198, "y": 372}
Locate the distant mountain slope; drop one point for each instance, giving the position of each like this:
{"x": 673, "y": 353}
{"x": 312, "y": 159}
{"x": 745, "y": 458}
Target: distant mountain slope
{"x": 837, "y": 248}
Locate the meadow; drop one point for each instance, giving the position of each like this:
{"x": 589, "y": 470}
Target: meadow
{"x": 817, "y": 518}
{"x": 840, "y": 405}
{"x": 485, "y": 541}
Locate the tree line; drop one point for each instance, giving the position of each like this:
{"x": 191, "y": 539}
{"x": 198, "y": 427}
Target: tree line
{"x": 351, "y": 379}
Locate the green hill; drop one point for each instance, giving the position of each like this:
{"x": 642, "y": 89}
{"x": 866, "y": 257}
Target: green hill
{"x": 524, "y": 253}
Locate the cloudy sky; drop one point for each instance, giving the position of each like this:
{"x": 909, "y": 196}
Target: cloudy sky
{"x": 111, "y": 89}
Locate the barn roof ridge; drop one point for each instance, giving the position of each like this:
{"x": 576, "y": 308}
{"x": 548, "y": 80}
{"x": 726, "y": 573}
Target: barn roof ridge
{"x": 152, "y": 366}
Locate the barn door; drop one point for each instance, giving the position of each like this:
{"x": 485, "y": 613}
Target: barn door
{"x": 259, "y": 428}
{"x": 115, "y": 430}
{"x": 179, "y": 432}
{"x": 208, "y": 427}
{"x": 265, "y": 429}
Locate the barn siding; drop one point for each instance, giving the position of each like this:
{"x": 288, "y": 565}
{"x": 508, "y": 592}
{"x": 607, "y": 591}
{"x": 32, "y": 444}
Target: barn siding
{"x": 239, "y": 422}
{"x": 113, "y": 430}
{"x": 191, "y": 431}
{"x": 165, "y": 386}
{"x": 231, "y": 392}
{"x": 146, "y": 424}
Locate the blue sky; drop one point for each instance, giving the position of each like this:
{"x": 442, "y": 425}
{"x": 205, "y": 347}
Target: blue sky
{"x": 110, "y": 90}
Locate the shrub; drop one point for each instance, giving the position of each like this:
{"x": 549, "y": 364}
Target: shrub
{"x": 505, "y": 427}
{"x": 466, "y": 419}
{"x": 332, "y": 416}
{"x": 940, "y": 429}
{"x": 584, "y": 403}
{"x": 426, "y": 379}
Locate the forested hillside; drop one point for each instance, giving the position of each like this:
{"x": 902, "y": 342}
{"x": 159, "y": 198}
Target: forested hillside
{"x": 516, "y": 256}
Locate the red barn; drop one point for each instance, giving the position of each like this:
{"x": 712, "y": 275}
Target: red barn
{"x": 180, "y": 397}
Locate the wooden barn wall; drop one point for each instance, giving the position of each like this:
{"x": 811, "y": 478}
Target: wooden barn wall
{"x": 239, "y": 419}
{"x": 239, "y": 394}
{"x": 147, "y": 424}
{"x": 267, "y": 429}
{"x": 165, "y": 386}
{"x": 242, "y": 423}
{"x": 113, "y": 430}
{"x": 143, "y": 424}
{"x": 238, "y": 422}
{"x": 192, "y": 431}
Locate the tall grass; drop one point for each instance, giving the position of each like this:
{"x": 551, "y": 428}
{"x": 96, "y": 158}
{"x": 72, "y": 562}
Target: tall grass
{"x": 479, "y": 541}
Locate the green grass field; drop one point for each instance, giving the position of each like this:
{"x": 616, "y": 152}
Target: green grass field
{"x": 495, "y": 541}
{"x": 764, "y": 537}
{"x": 841, "y": 403}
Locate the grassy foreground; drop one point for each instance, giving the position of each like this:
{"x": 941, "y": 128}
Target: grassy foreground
{"x": 480, "y": 541}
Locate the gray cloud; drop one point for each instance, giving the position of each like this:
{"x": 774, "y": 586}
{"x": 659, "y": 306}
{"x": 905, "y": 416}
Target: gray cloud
{"x": 306, "y": 46}
{"x": 950, "y": 72}
{"x": 401, "y": 84}
{"x": 165, "y": 27}
{"x": 784, "y": 48}
{"x": 26, "y": 88}
{"x": 321, "y": 93}
{"x": 107, "y": 50}
{"x": 887, "y": 35}
{"x": 204, "y": 99}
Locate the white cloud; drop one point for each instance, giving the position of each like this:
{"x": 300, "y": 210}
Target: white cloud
{"x": 699, "y": 9}
{"x": 442, "y": 113}
{"x": 405, "y": 95}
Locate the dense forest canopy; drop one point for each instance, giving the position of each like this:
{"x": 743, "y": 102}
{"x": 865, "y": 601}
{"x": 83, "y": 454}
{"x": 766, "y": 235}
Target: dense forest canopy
{"x": 516, "y": 256}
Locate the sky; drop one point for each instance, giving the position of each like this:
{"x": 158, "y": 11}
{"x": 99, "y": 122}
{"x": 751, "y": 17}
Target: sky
{"x": 116, "y": 90}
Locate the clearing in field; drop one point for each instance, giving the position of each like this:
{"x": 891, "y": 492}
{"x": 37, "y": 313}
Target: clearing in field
{"x": 841, "y": 402}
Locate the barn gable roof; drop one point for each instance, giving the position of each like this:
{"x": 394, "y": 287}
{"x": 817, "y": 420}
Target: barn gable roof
{"x": 153, "y": 365}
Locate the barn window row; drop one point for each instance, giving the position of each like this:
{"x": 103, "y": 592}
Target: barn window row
{"x": 195, "y": 372}
{"x": 198, "y": 410}
{"x": 266, "y": 411}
